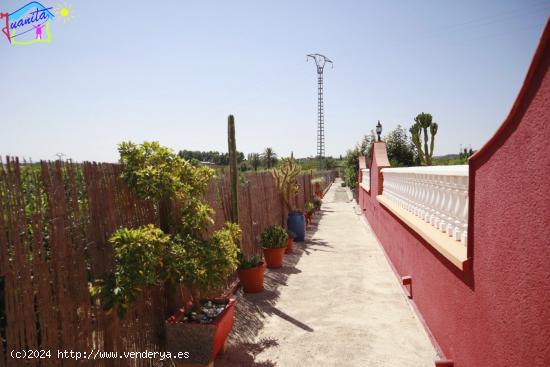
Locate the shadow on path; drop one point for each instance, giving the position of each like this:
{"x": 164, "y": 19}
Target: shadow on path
{"x": 253, "y": 310}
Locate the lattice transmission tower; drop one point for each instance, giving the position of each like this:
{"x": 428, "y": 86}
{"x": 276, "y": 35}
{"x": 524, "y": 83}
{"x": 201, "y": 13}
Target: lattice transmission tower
{"x": 320, "y": 62}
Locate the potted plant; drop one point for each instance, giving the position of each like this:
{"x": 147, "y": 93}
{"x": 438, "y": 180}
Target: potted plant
{"x": 251, "y": 273}
{"x": 308, "y": 210}
{"x": 203, "y": 330}
{"x": 317, "y": 202}
{"x": 290, "y": 242}
{"x": 274, "y": 241}
{"x": 285, "y": 176}
{"x": 178, "y": 254}
{"x": 318, "y": 181}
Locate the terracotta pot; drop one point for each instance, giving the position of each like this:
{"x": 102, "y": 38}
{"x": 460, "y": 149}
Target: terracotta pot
{"x": 252, "y": 279}
{"x": 274, "y": 257}
{"x": 317, "y": 187}
{"x": 289, "y": 245}
{"x": 203, "y": 342}
{"x": 309, "y": 216}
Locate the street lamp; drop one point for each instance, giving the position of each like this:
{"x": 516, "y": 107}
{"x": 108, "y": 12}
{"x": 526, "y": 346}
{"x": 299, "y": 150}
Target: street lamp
{"x": 379, "y": 130}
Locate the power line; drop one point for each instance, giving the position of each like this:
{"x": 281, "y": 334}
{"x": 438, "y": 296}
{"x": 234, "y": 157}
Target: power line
{"x": 495, "y": 18}
{"x": 503, "y": 34}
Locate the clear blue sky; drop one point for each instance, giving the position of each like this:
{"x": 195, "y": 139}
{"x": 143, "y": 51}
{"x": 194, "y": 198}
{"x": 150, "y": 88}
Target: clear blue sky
{"x": 173, "y": 70}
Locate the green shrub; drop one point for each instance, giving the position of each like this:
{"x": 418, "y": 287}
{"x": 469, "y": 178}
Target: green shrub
{"x": 317, "y": 202}
{"x": 148, "y": 256}
{"x": 209, "y": 262}
{"x": 141, "y": 258}
{"x": 274, "y": 236}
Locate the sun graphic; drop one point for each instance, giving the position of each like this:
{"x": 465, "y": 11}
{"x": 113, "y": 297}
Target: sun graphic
{"x": 65, "y": 12}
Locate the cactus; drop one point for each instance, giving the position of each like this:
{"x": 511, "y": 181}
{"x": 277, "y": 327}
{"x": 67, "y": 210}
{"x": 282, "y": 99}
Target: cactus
{"x": 232, "y": 146}
{"x": 285, "y": 176}
{"x": 422, "y": 123}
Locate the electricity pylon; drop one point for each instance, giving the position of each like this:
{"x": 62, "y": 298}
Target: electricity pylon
{"x": 320, "y": 61}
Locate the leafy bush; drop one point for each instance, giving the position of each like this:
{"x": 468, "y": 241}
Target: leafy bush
{"x": 148, "y": 256}
{"x": 141, "y": 258}
{"x": 274, "y": 236}
{"x": 400, "y": 148}
{"x": 155, "y": 172}
{"x": 309, "y": 206}
{"x": 208, "y": 263}
{"x": 317, "y": 202}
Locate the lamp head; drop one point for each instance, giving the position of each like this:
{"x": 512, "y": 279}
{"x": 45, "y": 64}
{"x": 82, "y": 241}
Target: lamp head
{"x": 379, "y": 130}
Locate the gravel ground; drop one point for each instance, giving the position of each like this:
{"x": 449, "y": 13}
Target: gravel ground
{"x": 335, "y": 302}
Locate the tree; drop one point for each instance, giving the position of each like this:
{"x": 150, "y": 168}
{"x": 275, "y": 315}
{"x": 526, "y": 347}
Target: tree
{"x": 400, "y": 148}
{"x": 351, "y": 160}
{"x": 466, "y": 153}
{"x": 423, "y": 122}
{"x": 221, "y": 159}
{"x": 270, "y": 157}
{"x": 254, "y": 160}
{"x": 330, "y": 163}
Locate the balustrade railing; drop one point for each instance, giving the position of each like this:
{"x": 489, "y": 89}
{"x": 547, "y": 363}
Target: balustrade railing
{"x": 365, "y": 173}
{"x": 435, "y": 194}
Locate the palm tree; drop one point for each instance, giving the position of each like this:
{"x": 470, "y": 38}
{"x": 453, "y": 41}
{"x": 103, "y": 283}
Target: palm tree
{"x": 270, "y": 157}
{"x": 254, "y": 160}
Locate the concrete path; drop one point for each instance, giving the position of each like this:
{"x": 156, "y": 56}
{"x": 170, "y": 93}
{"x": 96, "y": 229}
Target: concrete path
{"x": 336, "y": 302}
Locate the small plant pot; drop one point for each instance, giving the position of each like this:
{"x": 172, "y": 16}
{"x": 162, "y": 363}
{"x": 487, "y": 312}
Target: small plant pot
{"x": 317, "y": 188}
{"x": 274, "y": 257}
{"x": 203, "y": 342}
{"x": 289, "y": 245}
{"x": 252, "y": 279}
{"x": 309, "y": 216}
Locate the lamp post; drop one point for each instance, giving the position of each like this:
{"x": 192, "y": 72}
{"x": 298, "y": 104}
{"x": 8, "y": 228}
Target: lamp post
{"x": 379, "y": 129}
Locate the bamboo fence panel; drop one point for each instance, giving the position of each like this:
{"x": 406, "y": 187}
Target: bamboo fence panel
{"x": 55, "y": 223}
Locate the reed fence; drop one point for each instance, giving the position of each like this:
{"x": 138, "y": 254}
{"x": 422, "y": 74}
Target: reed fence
{"x": 55, "y": 222}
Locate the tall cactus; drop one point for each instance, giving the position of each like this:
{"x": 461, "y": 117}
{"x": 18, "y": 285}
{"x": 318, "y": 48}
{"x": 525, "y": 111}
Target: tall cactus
{"x": 423, "y": 122}
{"x": 285, "y": 176}
{"x": 232, "y": 147}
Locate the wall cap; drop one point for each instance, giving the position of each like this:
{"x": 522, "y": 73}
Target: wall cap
{"x": 379, "y": 154}
{"x": 445, "y": 245}
{"x": 458, "y": 170}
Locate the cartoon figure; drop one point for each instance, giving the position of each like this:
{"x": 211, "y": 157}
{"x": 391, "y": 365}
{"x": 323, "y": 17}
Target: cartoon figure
{"x": 6, "y": 29}
{"x": 38, "y": 31}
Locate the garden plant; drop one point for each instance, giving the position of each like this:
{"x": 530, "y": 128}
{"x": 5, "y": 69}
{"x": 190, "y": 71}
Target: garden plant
{"x": 285, "y": 176}
{"x": 178, "y": 253}
{"x": 251, "y": 273}
{"x": 274, "y": 242}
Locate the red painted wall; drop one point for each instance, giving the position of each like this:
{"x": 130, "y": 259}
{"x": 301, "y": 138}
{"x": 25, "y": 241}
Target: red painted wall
{"x": 497, "y": 313}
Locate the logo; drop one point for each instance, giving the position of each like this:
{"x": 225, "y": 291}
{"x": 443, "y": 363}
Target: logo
{"x": 31, "y": 23}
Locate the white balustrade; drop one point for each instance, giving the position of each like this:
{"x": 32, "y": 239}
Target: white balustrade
{"x": 435, "y": 194}
{"x": 365, "y": 173}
